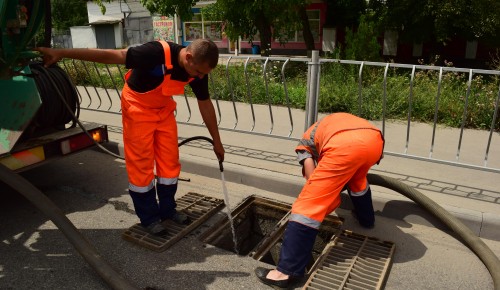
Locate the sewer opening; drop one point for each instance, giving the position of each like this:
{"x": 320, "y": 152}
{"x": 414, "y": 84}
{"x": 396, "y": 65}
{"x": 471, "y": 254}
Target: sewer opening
{"x": 251, "y": 225}
{"x": 259, "y": 226}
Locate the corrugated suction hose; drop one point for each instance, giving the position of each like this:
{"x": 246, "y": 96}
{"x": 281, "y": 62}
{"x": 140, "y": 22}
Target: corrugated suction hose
{"x": 468, "y": 237}
{"x": 44, "y": 204}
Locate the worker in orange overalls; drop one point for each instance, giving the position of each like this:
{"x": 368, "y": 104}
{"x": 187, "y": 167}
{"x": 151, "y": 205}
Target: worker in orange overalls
{"x": 335, "y": 152}
{"x": 158, "y": 70}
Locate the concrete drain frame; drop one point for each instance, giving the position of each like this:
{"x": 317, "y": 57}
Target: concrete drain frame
{"x": 259, "y": 225}
{"x": 197, "y": 206}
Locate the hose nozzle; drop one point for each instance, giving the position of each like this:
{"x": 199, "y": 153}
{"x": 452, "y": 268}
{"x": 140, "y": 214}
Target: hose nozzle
{"x": 221, "y": 168}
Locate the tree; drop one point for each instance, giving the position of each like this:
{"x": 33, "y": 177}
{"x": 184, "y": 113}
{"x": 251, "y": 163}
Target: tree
{"x": 171, "y": 7}
{"x": 67, "y": 13}
{"x": 162, "y": 7}
{"x": 362, "y": 44}
{"x": 440, "y": 20}
{"x": 344, "y": 12}
{"x": 269, "y": 18}
{"x": 306, "y": 29}
{"x": 47, "y": 25}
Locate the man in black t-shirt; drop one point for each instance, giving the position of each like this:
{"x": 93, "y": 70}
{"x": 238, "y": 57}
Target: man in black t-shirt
{"x": 158, "y": 70}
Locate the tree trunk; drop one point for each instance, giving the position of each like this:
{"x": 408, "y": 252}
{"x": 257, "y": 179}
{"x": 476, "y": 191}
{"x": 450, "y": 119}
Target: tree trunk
{"x": 47, "y": 37}
{"x": 264, "y": 29}
{"x": 306, "y": 29}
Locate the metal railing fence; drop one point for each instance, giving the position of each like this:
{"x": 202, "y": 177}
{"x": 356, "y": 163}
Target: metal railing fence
{"x": 269, "y": 96}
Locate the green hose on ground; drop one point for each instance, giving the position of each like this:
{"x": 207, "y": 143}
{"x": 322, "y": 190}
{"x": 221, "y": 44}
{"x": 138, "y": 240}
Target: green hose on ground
{"x": 44, "y": 204}
{"x": 468, "y": 237}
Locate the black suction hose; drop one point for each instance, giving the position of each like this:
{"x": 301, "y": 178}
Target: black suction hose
{"x": 468, "y": 237}
{"x": 43, "y": 203}
{"x": 221, "y": 168}
{"x": 52, "y": 80}
{"x": 53, "y": 113}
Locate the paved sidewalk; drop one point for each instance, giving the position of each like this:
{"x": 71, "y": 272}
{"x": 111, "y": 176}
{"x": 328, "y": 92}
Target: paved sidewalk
{"x": 269, "y": 163}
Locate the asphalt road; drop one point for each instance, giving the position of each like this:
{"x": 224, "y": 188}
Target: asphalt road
{"x": 90, "y": 188}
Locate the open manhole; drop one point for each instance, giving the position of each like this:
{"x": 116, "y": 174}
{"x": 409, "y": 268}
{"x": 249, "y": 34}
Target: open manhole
{"x": 259, "y": 226}
{"x": 352, "y": 261}
{"x": 198, "y": 207}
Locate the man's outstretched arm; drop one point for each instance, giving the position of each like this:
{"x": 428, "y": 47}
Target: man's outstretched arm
{"x": 107, "y": 56}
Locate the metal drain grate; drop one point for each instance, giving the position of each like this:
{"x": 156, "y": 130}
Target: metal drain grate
{"x": 198, "y": 207}
{"x": 352, "y": 261}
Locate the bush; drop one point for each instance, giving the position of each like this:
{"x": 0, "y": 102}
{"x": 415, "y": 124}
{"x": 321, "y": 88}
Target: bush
{"x": 362, "y": 44}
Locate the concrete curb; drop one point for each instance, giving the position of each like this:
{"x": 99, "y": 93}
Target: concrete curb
{"x": 483, "y": 224}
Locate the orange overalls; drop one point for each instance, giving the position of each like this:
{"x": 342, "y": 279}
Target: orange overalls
{"x": 344, "y": 147}
{"x": 150, "y": 132}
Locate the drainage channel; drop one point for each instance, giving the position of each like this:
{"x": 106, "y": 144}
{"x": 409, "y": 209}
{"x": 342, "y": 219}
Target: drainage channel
{"x": 198, "y": 207}
{"x": 352, "y": 261}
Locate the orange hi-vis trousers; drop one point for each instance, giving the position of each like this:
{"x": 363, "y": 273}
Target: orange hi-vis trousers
{"x": 150, "y": 132}
{"x": 150, "y": 138}
{"x": 345, "y": 160}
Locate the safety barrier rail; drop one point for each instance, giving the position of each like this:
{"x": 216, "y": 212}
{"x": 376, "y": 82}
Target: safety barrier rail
{"x": 266, "y": 96}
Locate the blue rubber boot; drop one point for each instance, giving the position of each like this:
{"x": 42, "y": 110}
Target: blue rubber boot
{"x": 296, "y": 250}
{"x": 166, "y": 197}
{"x": 363, "y": 209}
{"x": 146, "y": 206}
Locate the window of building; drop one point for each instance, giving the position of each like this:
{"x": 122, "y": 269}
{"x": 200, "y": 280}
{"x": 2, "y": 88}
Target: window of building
{"x": 314, "y": 25}
{"x": 256, "y": 38}
{"x": 471, "y": 49}
{"x": 390, "y": 43}
{"x": 417, "y": 49}
{"x": 198, "y": 28}
{"x": 212, "y": 31}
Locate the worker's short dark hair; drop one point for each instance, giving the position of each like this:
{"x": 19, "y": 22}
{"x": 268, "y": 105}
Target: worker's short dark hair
{"x": 204, "y": 50}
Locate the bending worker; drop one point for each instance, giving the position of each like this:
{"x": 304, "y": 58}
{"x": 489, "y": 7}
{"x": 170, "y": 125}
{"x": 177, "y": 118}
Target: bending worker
{"x": 334, "y": 152}
{"x": 158, "y": 70}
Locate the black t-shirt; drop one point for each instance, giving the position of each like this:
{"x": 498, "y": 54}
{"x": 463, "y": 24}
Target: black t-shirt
{"x": 147, "y": 63}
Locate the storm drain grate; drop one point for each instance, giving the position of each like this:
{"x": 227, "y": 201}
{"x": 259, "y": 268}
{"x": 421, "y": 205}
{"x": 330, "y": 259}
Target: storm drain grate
{"x": 352, "y": 261}
{"x": 198, "y": 207}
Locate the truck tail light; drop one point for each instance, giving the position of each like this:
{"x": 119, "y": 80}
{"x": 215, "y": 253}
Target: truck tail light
{"x": 24, "y": 158}
{"x": 79, "y": 142}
